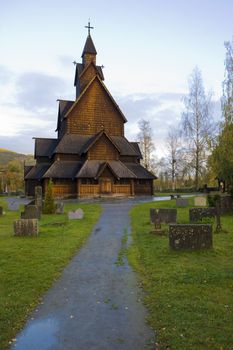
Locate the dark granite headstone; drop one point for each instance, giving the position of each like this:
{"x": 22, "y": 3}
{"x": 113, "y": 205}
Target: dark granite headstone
{"x": 166, "y": 215}
{"x": 31, "y": 212}
{"x": 1, "y": 211}
{"x": 26, "y": 227}
{"x": 197, "y": 214}
{"x": 152, "y": 216}
{"x": 190, "y": 237}
{"x": 182, "y": 202}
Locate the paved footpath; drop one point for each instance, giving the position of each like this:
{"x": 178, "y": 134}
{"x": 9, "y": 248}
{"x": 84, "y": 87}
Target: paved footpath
{"x": 96, "y": 304}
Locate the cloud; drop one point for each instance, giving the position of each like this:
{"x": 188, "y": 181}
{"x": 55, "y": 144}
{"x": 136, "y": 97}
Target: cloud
{"x": 38, "y": 91}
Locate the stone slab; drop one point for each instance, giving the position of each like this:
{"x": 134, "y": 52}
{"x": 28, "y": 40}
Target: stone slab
{"x": 31, "y": 212}
{"x": 197, "y": 214}
{"x": 77, "y": 214}
{"x": 166, "y": 215}
{"x": 26, "y": 227}
{"x": 190, "y": 237}
{"x": 200, "y": 201}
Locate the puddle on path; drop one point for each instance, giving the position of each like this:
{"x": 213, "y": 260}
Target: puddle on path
{"x": 43, "y": 329}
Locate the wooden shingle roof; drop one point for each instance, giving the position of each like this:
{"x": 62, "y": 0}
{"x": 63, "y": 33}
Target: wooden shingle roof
{"x": 92, "y": 168}
{"x": 139, "y": 171}
{"x": 89, "y": 46}
{"x": 80, "y": 69}
{"x": 73, "y": 143}
{"x": 63, "y": 170}
{"x": 37, "y": 171}
{"x": 96, "y": 78}
{"x": 44, "y": 147}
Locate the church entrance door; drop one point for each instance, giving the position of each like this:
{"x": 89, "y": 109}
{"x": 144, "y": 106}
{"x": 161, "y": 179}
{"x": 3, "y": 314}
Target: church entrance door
{"x": 105, "y": 185}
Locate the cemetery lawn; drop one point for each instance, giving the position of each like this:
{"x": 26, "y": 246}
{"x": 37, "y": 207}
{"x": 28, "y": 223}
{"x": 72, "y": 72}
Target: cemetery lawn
{"x": 29, "y": 265}
{"x": 189, "y": 295}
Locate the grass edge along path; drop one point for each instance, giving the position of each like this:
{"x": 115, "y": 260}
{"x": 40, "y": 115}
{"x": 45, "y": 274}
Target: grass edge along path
{"x": 189, "y": 295}
{"x": 30, "y": 265}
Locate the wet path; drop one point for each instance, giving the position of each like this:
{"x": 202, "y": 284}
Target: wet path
{"x": 96, "y": 304}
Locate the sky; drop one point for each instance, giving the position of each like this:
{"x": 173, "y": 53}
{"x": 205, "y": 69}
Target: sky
{"x": 148, "y": 48}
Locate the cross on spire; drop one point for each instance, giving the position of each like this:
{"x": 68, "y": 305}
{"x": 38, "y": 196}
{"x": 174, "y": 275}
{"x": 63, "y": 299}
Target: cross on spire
{"x": 89, "y": 27}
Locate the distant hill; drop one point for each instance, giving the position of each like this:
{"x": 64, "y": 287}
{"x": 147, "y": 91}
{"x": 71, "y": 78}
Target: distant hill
{"x": 7, "y": 156}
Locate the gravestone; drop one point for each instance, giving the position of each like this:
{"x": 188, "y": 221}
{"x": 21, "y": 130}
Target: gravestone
{"x": 190, "y": 237}
{"x": 152, "y": 216}
{"x": 77, "y": 214}
{"x": 200, "y": 201}
{"x": 1, "y": 211}
{"x": 59, "y": 208}
{"x": 38, "y": 198}
{"x": 166, "y": 215}
{"x": 31, "y": 212}
{"x": 26, "y": 227}
{"x": 13, "y": 206}
{"x": 182, "y": 202}
{"x": 197, "y": 214}
{"x": 218, "y": 216}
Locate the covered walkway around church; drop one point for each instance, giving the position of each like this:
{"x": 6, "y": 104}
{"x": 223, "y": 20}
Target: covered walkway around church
{"x": 97, "y": 303}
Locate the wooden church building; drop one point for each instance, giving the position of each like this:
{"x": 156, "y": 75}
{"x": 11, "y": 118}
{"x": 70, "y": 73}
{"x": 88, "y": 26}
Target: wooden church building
{"x": 91, "y": 155}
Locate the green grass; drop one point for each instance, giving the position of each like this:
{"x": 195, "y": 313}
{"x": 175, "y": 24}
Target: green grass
{"x": 189, "y": 295}
{"x": 29, "y": 265}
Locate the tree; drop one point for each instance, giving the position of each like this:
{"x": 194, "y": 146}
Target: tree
{"x": 227, "y": 98}
{"x": 221, "y": 159}
{"x": 49, "y": 206}
{"x": 147, "y": 147}
{"x": 197, "y": 124}
{"x": 174, "y": 159}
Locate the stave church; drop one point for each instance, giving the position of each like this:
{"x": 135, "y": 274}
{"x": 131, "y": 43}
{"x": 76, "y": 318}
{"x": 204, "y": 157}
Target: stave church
{"x": 91, "y": 157}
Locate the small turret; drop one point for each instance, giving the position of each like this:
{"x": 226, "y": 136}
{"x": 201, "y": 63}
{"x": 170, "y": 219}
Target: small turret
{"x": 89, "y": 51}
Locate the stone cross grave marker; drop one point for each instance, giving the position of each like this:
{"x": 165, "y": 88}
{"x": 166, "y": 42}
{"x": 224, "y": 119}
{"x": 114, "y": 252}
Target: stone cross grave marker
{"x": 26, "y": 227}
{"x": 182, "y": 202}
{"x": 190, "y": 236}
{"x": 77, "y": 214}
{"x": 31, "y": 212}
{"x": 200, "y": 201}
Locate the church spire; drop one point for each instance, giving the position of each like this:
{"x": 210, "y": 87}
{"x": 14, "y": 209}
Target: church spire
{"x": 89, "y": 51}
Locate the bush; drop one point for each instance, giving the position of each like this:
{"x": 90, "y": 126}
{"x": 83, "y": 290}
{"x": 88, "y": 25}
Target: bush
{"x": 212, "y": 200}
{"x": 49, "y": 205}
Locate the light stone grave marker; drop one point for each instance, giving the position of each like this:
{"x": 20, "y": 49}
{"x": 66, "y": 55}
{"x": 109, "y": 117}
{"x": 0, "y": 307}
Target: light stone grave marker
{"x": 200, "y": 201}
{"x": 77, "y": 214}
{"x": 59, "y": 208}
{"x": 13, "y": 206}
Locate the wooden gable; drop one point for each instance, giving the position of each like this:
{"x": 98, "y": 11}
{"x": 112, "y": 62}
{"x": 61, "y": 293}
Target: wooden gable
{"x": 95, "y": 110}
{"x": 103, "y": 148}
{"x": 87, "y": 75}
